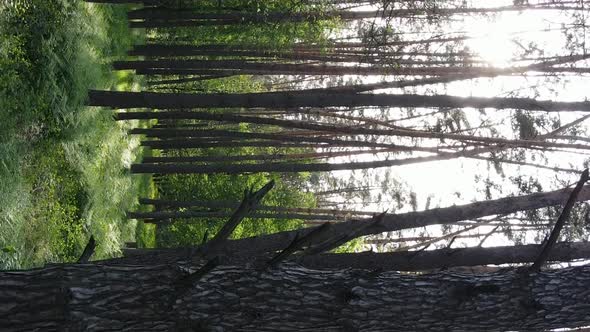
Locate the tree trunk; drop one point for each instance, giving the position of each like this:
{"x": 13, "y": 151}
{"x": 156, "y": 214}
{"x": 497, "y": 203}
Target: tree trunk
{"x": 201, "y": 144}
{"x": 118, "y": 99}
{"x": 283, "y": 167}
{"x": 161, "y": 215}
{"x": 265, "y": 157}
{"x": 190, "y": 138}
{"x": 244, "y": 67}
{"x": 445, "y": 258}
{"x": 216, "y": 204}
{"x": 154, "y": 18}
{"x": 226, "y": 67}
{"x": 395, "y": 222}
{"x": 89, "y": 297}
{"x": 326, "y": 127}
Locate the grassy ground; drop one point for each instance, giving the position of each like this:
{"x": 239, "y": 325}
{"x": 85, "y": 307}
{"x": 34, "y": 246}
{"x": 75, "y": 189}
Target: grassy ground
{"x": 63, "y": 166}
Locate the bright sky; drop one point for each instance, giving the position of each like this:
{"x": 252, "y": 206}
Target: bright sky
{"x": 499, "y": 39}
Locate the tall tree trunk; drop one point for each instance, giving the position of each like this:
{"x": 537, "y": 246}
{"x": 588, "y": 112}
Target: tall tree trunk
{"x": 154, "y": 17}
{"x": 226, "y": 67}
{"x": 118, "y": 99}
{"x": 283, "y": 167}
{"x": 88, "y": 297}
{"x": 326, "y": 127}
{"x": 201, "y": 144}
{"x": 244, "y": 67}
{"x": 266, "y": 157}
{"x": 218, "y": 50}
{"x": 161, "y": 50}
{"x": 161, "y": 215}
{"x": 234, "y": 205}
{"x": 303, "y": 167}
{"x": 213, "y": 135}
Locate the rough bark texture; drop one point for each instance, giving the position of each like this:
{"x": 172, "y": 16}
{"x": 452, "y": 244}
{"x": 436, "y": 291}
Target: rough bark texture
{"x": 291, "y": 298}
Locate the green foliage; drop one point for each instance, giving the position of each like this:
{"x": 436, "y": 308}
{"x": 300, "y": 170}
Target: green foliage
{"x": 145, "y": 235}
{"x": 276, "y": 35}
{"x": 40, "y": 56}
{"x": 62, "y": 165}
{"x": 524, "y": 123}
{"x": 56, "y": 225}
{"x": 228, "y": 187}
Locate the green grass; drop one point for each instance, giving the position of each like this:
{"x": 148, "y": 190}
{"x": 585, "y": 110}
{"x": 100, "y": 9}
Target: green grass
{"x": 63, "y": 166}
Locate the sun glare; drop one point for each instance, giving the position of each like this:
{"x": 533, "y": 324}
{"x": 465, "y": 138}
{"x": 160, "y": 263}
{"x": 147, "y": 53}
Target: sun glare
{"x": 496, "y": 38}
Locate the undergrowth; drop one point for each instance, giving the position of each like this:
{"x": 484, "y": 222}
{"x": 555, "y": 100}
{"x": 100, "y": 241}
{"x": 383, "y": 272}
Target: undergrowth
{"x": 63, "y": 166}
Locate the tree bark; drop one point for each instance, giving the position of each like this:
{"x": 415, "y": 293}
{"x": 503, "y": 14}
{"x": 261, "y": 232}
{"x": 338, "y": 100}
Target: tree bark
{"x": 89, "y": 297}
{"x": 445, "y": 258}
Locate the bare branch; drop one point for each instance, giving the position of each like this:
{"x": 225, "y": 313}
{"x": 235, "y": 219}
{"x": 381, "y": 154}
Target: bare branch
{"x": 341, "y": 239}
{"x": 536, "y": 267}
{"x": 88, "y": 251}
{"x": 298, "y": 243}
{"x": 487, "y": 236}
{"x": 251, "y": 200}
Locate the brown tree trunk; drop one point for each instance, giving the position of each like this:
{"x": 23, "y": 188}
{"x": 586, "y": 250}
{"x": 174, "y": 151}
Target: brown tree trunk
{"x": 201, "y": 144}
{"x": 118, "y": 99}
{"x": 213, "y": 135}
{"x": 445, "y": 258}
{"x": 265, "y": 157}
{"x": 227, "y": 67}
{"x": 234, "y": 205}
{"x": 154, "y": 18}
{"x": 155, "y": 216}
{"x": 285, "y": 167}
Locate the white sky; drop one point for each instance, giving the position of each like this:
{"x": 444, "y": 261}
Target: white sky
{"x": 452, "y": 182}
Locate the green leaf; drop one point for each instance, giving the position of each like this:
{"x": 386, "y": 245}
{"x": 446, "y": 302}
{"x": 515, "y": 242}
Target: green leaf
{"x": 9, "y": 250}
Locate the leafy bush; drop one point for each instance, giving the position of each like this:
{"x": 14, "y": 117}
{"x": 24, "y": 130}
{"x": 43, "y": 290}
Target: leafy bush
{"x": 62, "y": 165}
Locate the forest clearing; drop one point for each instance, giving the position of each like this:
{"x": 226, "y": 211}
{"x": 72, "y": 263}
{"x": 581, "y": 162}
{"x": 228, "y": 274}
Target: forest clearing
{"x": 288, "y": 165}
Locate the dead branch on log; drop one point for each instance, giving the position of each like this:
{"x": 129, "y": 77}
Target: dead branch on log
{"x": 249, "y": 203}
{"x": 536, "y": 267}
{"x": 88, "y": 251}
{"x": 339, "y": 240}
{"x": 298, "y": 243}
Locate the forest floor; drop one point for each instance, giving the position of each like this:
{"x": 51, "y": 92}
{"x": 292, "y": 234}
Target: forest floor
{"x": 64, "y": 166}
